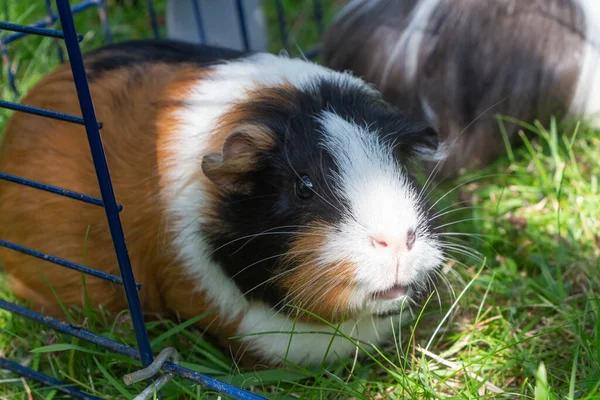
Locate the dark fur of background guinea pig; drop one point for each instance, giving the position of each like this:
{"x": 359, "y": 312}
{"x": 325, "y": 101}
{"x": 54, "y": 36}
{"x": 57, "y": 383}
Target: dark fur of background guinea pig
{"x": 248, "y": 182}
{"x": 457, "y": 63}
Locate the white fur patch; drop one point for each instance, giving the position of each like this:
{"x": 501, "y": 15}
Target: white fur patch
{"x": 304, "y": 343}
{"x": 586, "y": 101}
{"x": 382, "y": 205}
{"x": 382, "y": 202}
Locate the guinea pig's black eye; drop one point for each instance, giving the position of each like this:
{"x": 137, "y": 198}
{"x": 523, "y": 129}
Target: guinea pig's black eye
{"x": 304, "y": 188}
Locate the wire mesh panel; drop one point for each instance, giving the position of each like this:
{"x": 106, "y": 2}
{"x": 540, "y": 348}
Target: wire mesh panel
{"x": 39, "y": 28}
{"x": 108, "y": 202}
{"x": 64, "y": 14}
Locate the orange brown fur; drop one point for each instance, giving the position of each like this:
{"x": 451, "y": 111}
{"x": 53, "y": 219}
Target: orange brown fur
{"x": 135, "y": 139}
{"x": 323, "y": 290}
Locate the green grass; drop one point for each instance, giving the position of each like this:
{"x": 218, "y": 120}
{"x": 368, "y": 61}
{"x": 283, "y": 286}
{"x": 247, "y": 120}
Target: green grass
{"x": 523, "y": 321}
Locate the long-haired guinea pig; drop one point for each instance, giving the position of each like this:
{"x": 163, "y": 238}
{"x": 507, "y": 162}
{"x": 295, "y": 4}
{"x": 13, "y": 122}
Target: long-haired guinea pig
{"x": 255, "y": 187}
{"x": 458, "y": 63}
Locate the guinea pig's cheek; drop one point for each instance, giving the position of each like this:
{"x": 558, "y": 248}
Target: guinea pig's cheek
{"x": 319, "y": 278}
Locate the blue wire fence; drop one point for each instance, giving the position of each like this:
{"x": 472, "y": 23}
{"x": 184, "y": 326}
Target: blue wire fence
{"x": 64, "y": 13}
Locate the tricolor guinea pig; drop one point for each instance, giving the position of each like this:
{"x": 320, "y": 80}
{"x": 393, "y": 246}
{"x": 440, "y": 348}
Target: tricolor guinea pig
{"x": 458, "y": 63}
{"x": 269, "y": 191}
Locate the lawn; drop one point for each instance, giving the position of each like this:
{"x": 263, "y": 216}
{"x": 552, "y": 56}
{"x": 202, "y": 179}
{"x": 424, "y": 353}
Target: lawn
{"x": 518, "y": 317}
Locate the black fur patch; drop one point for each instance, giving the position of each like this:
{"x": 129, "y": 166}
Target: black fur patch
{"x": 272, "y": 207}
{"x": 140, "y": 52}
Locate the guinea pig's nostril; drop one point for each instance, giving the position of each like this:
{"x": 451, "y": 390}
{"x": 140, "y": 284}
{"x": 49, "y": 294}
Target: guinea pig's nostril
{"x": 411, "y": 237}
{"x": 378, "y": 242}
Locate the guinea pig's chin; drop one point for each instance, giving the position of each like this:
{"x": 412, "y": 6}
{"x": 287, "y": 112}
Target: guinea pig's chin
{"x": 387, "y": 307}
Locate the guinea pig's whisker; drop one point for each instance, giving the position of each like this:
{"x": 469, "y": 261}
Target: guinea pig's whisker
{"x": 456, "y": 276}
{"x": 430, "y": 179}
{"x": 452, "y": 257}
{"x": 234, "y": 240}
{"x": 443, "y": 212}
{"x": 329, "y": 284}
{"x": 288, "y": 299}
{"x": 462, "y": 205}
{"x": 301, "y": 291}
{"x": 464, "y": 252}
{"x": 457, "y": 242}
{"x": 326, "y": 177}
{"x": 473, "y": 252}
{"x": 457, "y": 239}
{"x": 252, "y": 198}
{"x": 433, "y": 287}
{"x": 261, "y": 233}
{"x": 449, "y": 258}
{"x": 447, "y": 283}
{"x": 411, "y": 302}
{"x": 461, "y": 185}
{"x": 297, "y": 233}
{"x": 469, "y": 250}
{"x": 477, "y": 235}
{"x": 269, "y": 258}
{"x": 271, "y": 279}
{"x": 185, "y": 228}
{"x": 452, "y": 206}
{"x": 460, "y": 221}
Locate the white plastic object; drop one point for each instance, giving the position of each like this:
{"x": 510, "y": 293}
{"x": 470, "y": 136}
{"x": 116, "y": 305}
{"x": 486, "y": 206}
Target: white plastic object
{"x": 220, "y": 21}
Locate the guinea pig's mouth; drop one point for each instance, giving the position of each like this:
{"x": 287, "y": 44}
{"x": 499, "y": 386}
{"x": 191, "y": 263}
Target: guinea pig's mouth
{"x": 393, "y": 293}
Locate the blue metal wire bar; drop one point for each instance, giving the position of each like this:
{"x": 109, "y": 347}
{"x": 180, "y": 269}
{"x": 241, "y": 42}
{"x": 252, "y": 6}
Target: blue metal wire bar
{"x": 53, "y": 189}
{"x": 69, "y": 329}
{"x": 282, "y": 26}
{"x": 7, "y": 26}
{"x": 198, "y": 17}
{"x": 6, "y": 60}
{"x": 19, "y": 35}
{"x": 104, "y": 181}
{"x": 46, "y": 380}
{"x": 153, "y": 19}
{"x": 52, "y": 17}
{"x": 104, "y": 20}
{"x": 186, "y": 373}
{"x": 210, "y": 383}
{"x": 63, "y": 263}
{"x": 318, "y": 11}
{"x": 45, "y": 22}
{"x": 44, "y": 113}
{"x": 242, "y": 21}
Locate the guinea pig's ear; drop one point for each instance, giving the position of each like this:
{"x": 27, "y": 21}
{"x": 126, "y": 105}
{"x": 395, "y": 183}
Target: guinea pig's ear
{"x": 427, "y": 145}
{"x": 421, "y": 142}
{"x": 239, "y": 155}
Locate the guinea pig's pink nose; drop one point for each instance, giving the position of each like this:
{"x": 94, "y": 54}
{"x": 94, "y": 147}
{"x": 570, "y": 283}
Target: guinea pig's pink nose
{"x": 394, "y": 243}
{"x": 378, "y": 241}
